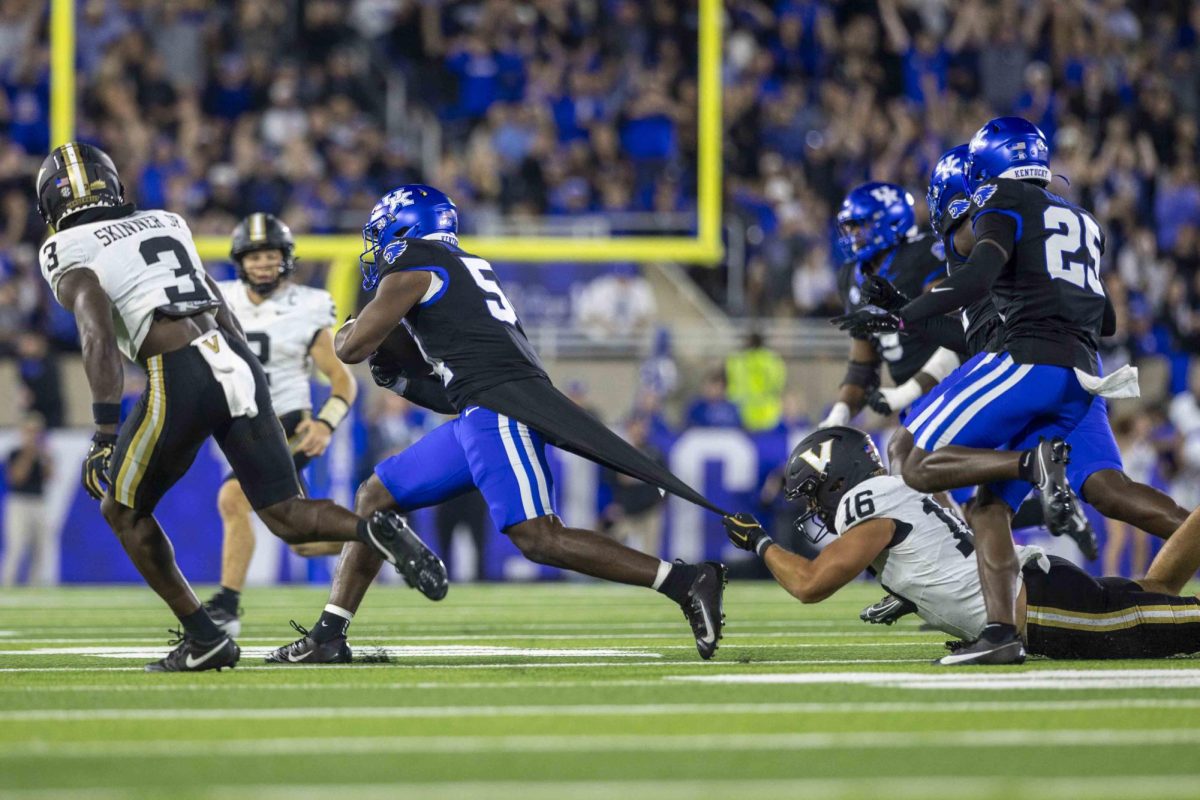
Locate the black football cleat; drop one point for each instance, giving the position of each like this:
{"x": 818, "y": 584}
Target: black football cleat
{"x": 981, "y": 652}
{"x": 190, "y": 655}
{"x": 704, "y": 607}
{"x": 887, "y": 610}
{"x": 1061, "y": 508}
{"x": 307, "y": 650}
{"x": 402, "y": 548}
{"x": 230, "y": 624}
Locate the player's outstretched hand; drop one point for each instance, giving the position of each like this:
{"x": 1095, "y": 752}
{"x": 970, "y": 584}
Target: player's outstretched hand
{"x": 95, "y": 466}
{"x": 867, "y": 321}
{"x": 316, "y": 435}
{"x": 746, "y": 534}
{"x": 879, "y": 291}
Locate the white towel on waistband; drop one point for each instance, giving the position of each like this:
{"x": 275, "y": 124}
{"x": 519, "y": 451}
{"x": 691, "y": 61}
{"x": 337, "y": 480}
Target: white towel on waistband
{"x": 233, "y": 373}
{"x": 1122, "y": 383}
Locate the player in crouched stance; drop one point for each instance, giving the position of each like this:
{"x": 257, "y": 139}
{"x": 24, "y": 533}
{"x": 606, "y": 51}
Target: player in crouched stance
{"x": 134, "y": 282}
{"x": 924, "y": 556}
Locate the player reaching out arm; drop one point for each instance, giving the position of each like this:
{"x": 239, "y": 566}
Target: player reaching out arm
{"x": 289, "y": 328}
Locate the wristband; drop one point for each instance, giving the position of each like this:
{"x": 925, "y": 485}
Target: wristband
{"x": 763, "y": 544}
{"x": 106, "y": 413}
{"x": 333, "y": 412}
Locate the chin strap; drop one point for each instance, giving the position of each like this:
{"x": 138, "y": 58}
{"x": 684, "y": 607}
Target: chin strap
{"x": 333, "y": 412}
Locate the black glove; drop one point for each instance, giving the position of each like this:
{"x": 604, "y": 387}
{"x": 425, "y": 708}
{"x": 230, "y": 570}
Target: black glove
{"x": 887, "y": 610}
{"x": 878, "y": 403}
{"x": 866, "y": 321}
{"x": 384, "y": 374}
{"x": 879, "y": 291}
{"x": 95, "y": 466}
{"x": 746, "y": 534}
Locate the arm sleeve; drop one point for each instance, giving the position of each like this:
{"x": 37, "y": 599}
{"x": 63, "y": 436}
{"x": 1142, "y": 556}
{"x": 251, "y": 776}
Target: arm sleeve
{"x": 944, "y": 331}
{"x": 995, "y": 237}
{"x": 1109, "y": 326}
{"x": 427, "y": 392}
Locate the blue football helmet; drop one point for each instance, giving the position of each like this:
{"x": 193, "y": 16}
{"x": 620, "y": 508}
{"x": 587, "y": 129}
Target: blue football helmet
{"x": 874, "y": 217}
{"x": 1008, "y": 147}
{"x": 947, "y": 183}
{"x": 412, "y": 211}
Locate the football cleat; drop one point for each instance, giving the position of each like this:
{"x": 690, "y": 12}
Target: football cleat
{"x": 307, "y": 650}
{"x": 887, "y": 610}
{"x": 1061, "y": 508}
{"x": 190, "y": 655}
{"x": 704, "y": 607}
{"x": 230, "y": 624}
{"x": 420, "y": 567}
{"x": 982, "y": 652}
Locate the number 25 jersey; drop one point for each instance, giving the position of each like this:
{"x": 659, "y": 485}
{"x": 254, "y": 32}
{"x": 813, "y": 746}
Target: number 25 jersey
{"x": 1049, "y": 294}
{"x": 466, "y": 327}
{"x": 146, "y": 263}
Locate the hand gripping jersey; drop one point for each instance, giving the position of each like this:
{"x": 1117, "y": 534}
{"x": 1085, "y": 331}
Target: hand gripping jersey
{"x": 981, "y": 322}
{"x": 911, "y": 266}
{"x": 931, "y": 561}
{"x": 281, "y": 330}
{"x": 1049, "y": 294}
{"x": 146, "y": 264}
{"x": 465, "y": 326}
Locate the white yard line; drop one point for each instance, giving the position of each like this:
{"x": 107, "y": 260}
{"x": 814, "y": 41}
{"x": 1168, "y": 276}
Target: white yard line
{"x": 1059, "y": 679}
{"x": 674, "y": 633}
{"x": 1033, "y": 738}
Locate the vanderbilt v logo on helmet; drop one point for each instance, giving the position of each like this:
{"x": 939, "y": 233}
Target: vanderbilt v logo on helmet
{"x": 76, "y": 177}
{"x": 822, "y": 468}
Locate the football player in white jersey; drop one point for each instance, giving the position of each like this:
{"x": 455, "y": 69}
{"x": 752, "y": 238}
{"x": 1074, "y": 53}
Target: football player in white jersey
{"x": 924, "y": 555}
{"x": 289, "y": 328}
{"x": 135, "y": 284}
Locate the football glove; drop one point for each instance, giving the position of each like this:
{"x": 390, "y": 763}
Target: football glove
{"x": 95, "y": 466}
{"x": 746, "y": 534}
{"x": 879, "y": 291}
{"x": 382, "y": 375}
{"x": 878, "y": 402}
{"x": 867, "y": 321}
{"x": 887, "y": 610}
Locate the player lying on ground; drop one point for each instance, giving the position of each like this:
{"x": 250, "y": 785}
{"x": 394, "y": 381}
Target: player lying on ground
{"x": 289, "y": 328}
{"x": 136, "y": 286}
{"x": 1001, "y": 419}
{"x": 450, "y": 305}
{"x": 925, "y": 556}
{"x": 877, "y": 225}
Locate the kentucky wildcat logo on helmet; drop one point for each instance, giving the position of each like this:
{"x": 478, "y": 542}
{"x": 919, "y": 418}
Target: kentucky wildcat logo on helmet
{"x": 263, "y": 232}
{"x": 947, "y": 185}
{"x": 413, "y": 211}
{"x": 76, "y": 177}
{"x": 874, "y": 217}
{"x": 824, "y": 466}
{"x": 1008, "y": 147}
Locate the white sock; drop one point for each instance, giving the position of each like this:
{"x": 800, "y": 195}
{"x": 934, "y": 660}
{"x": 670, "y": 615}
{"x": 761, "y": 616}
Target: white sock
{"x": 339, "y": 611}
{"x": 664, "y": 569}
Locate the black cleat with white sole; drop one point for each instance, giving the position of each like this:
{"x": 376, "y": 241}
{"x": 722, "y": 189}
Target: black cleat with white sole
{"x": 307, "y": 650}
{"x": 420, "y": 567}
{"x": 704, "y": 607}
{"x": 887, "y": 610}
{"x": 981, "y": 652}
{"x": 190, "y": 655}
{"x": 1060, "y": 506}
{"x": 230, "y": 624}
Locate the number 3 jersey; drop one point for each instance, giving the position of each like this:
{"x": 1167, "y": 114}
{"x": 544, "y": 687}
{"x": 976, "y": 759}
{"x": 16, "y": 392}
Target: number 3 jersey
{"x": 1049, "y": 294}
{"x": 931, "y": 560}
{"x": 146, "y": 263}
{"x": 911, "y": 266}
{"x": 281, "y": 331}
{"x": 465, "y": 325}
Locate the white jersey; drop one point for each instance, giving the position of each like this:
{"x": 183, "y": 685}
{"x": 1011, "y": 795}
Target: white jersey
{"x": 146, "y": 262}
{"x": 281, "y": 330}
{"x": 931, "y": 562}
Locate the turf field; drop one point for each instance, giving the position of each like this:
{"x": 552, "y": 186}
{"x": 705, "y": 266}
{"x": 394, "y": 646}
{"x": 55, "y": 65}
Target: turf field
{"x": 571, "y": 691}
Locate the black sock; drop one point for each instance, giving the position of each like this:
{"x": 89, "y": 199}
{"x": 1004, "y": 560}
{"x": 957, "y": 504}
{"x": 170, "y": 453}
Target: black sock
{"x": 1027, "y": 467}
{"x": 329, "y": 627}
{"x": 226, "y": 599}
{"x": 678, "y": 581}
{"x": 199, "y": 626}
{"x": 998, "y": 632}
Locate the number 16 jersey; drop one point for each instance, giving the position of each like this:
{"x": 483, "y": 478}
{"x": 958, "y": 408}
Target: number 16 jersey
{"x": 146, "y": 263}
{"x": 466, "y": 327}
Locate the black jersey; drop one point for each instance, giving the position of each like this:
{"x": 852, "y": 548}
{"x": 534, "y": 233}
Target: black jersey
{"x": 981, "y": 322}
{"x": 1049, "y": 294}
{"x": 467, "y": 330}
{"x": 911, "y": 266}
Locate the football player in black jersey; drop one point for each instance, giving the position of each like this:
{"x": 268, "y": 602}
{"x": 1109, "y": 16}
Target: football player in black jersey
{"x": 876, "y": 225}
{"x": 1003, "y": 417}
{"x": 479, "y": 365}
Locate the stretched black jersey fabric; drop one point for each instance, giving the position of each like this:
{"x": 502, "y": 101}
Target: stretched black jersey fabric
{"x": 469, "y": 333}
{"x": 1049, "y": 293}
{"x": 910, "y": 266}
{"x": 981, "y": 322}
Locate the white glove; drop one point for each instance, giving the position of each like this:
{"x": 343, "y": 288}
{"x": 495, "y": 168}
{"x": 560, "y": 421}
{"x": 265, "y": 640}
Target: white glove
{"x": 840, "y": 414}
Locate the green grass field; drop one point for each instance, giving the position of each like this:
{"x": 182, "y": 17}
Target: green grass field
{"x": 571, "y": 691}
